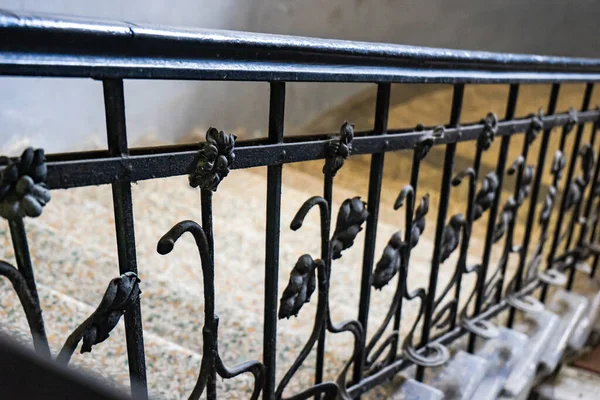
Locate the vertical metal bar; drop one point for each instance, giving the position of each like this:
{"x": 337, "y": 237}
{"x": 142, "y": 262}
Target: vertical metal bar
{"x": 583, "y": 230}
{"x": 209, "y": 287}
{"x": 457, "y": 100}
{"x": 464, "y": 245}
{"x": 325, "y": 249}
{"x": 593, "y": 236}
{"x": 508, "y": 244}
{"x": 114, "y": 103}
{"x": 403, "y": 273}
{"x": 376, "y": 174}
{"x": 19, "y": 240}
{"x": 276, "y": 119}
{"x": 572, "y": 163}
{"x": 534, "y": 196}
{"x": 489, "y": 238}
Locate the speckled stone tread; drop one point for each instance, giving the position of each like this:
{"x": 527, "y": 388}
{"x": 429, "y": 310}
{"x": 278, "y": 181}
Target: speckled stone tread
{"x": 74, "y": 254}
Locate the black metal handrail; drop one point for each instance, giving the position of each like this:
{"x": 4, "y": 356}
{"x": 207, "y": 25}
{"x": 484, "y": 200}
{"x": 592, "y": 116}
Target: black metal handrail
{"x": 53, "y": 46}
{"x": 111, "y": 52}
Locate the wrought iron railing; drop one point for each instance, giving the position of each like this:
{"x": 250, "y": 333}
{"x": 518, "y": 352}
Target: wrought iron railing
{"x": 54, "y": 47}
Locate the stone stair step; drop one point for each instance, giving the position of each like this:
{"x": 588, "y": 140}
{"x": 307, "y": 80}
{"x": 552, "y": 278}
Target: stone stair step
{"x": 570, "y": 308}
{"x": 460, "y": 377}
{"x": 502, "y": 354}
{"x": 583, "y": 329}
{"x": 570, "y": 383}
{"x": 411, "y": 389}
{"x": 172, "y": 370}
{"x": 539, "y": 329}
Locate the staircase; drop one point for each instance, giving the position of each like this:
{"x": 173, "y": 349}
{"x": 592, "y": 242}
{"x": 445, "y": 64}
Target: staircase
{"x": 520, "y": 362}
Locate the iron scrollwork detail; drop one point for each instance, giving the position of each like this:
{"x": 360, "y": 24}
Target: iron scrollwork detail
{"x": 211, "y": 360}
{"x": 309, "y": 274}
{"x": 215, "y": 160}
{"x": 339, "y": 149}
{"x": 121, "y": 294}
{"x": 458, "y": 231}
{"x": 302, "y": 284}
{"x": 23, "y": 192}
{"x": 577, "y": 188}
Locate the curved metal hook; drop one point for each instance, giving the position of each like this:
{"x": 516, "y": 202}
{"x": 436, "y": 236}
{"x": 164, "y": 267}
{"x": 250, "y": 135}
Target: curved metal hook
{"x": 482, "y": 328}
{"x": 469, "y": 172}
{"x": 407, "y": 192}
{"x": 210, "y": 357}
{"x": 552, "y": 277}
{"x": 167, "y": 241}
{"x": 431, "y": 355}
{"x": 305, "y": 208}
{"x": 31, "y": 307}
{"x": 436, "y": 354}
{"x": 515, "y": 165}
{"x": 527, "y": 304}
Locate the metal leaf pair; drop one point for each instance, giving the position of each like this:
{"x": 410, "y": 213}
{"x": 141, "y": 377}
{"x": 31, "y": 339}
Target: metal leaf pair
{"x": 352, "y": 214}
{"x": 122, "y": 292}
{"x": 301, "y": 286}
{"x": 391, "y": 258}
{"x": 486, "y": 195}
{"x": 451, "y": 236}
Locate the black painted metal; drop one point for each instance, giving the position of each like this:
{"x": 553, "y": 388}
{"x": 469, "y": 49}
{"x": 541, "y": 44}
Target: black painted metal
{"x": 52, "y": 46}
{"x": 382, "y": 107}
{"x": 114, "y": 103}
{"x": 276, "y": 119}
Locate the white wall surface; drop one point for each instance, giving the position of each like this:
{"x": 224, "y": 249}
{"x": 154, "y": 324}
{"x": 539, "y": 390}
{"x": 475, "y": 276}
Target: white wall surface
{"x": 65, "y": 114}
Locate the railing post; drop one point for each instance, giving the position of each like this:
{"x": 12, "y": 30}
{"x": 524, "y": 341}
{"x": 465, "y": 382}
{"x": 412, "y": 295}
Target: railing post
{"x": 114, "y": 103}
{"x": 276, "y": 120}
{"x": 376, "y": 174}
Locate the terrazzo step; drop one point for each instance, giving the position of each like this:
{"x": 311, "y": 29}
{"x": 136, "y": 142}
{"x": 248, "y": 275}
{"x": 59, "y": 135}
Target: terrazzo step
{"x": 570, "y": 383}
{"x": 411, "y": 389}
{"x": 570, "y": 308}
{"x": 502, "y": 354}
{"x": 172, "y": 370}
{"x": 539, "y": 328}
{"x": 583, "y": 329}
{"x": 460, "y": 377}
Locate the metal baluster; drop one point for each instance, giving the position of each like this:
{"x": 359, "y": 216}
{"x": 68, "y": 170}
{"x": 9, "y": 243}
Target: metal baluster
{"x": 320, "y": 360}
{"x": 18, "y": 236}
{"x": 534, "y": 196}
{"x": 276, "y": 120}
{"x": 464, "y": 244}
{"x": 209, "y": 287}
{"x": 592, "y": 237}
{"x": 457, "y": 100}
{"x": 382, "y": 108}
{"x": 409, "y": 214}
{"x": 114, "y": 103}
{"x": 572, "y": 163}
{"x": 489, "y": 238}
{"x": 583, "y": 230}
